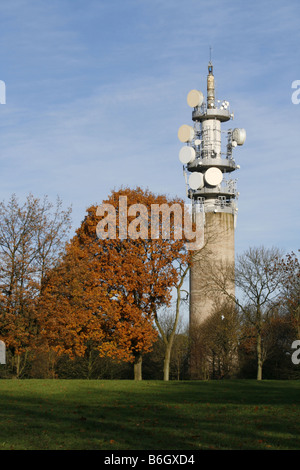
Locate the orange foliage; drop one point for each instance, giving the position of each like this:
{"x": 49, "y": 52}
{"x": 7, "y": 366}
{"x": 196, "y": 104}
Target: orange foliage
{"x": 107, "y": 291}
{"x": 67, "y": 305}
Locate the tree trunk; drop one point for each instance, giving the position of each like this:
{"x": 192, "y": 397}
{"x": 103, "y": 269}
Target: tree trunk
{"x": 90, "y": 365}
{"x": 259, "y": 357}
{"x": 167, "y": 361}
{"x": 18, "y": 363}
{"x": 137, "y": 366}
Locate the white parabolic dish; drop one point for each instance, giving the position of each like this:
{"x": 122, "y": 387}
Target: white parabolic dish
{"x": 196, "y": 181}
{"x": 213, "y": 176}
{"x": 195, "y": 98}
{"x": 186, "y": 133}
{"x": 239, "y": 136}
{"x": 187, "y": 155}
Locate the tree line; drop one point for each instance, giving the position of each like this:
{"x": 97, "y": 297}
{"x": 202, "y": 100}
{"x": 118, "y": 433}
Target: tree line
{"x": 93, "y": 307}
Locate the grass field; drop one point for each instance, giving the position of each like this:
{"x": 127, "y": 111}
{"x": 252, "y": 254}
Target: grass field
{"x": 149, "y": 415}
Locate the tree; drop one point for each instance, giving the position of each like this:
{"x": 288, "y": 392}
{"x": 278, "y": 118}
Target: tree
{"x": 179, "y": 356}
{"x": 259, "y": 285}
{"x": 168, "y": 335}
{"x": 32, "y": 236}
{"x": 218, "y": 337}
{"x": 129, "y": 271}
{"x": 277, "y": 337}
{"x": 68, "y": 308}
{"x": 289, "y": 270}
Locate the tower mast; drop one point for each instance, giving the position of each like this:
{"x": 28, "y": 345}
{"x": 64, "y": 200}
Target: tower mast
{"x": 212, "y": 191}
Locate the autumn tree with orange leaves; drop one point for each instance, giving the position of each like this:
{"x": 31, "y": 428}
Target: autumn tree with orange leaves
{"x": 138, "y": 264}
{"x": 128, "y": 272}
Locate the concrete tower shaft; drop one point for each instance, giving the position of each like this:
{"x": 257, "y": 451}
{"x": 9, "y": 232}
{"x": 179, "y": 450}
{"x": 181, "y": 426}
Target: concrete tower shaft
{"x": 217, "y": 254}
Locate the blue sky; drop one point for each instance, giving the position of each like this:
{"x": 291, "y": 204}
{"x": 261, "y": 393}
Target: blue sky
{"x": 96, "y": 92}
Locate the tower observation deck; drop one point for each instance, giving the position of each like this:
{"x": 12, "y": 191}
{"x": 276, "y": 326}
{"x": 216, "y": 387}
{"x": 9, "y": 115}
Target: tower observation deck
{"x": 209, "y": 165}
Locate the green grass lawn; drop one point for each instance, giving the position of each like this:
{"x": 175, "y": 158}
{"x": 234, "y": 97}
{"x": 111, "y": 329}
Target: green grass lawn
{"x": 149, "y": 415}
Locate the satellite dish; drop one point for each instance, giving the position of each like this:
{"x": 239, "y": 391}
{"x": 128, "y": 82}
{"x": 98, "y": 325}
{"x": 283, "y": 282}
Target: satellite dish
{"x": 198, "y": 142}
{"x": 195, "y": 98}
{"x": 187, "y": 155}
{"x": 234, "y": 143}
{"x": 186, "y": 133}
{"x": 213, "y": 176}
{"x": 239, "y": 135}
{"x": 196, "y": 181}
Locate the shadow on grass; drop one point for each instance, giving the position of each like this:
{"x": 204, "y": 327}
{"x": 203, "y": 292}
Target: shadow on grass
{"x": 120, "y": 415}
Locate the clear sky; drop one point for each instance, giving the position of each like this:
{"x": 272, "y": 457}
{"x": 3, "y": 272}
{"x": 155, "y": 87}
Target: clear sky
{"x": 96, "y": 91}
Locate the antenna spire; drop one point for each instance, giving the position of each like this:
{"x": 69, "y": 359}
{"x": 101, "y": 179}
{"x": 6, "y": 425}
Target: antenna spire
{"x": 210, "y": 84}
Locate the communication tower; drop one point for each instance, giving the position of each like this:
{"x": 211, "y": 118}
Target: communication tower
{"x": 209, "y": 165}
